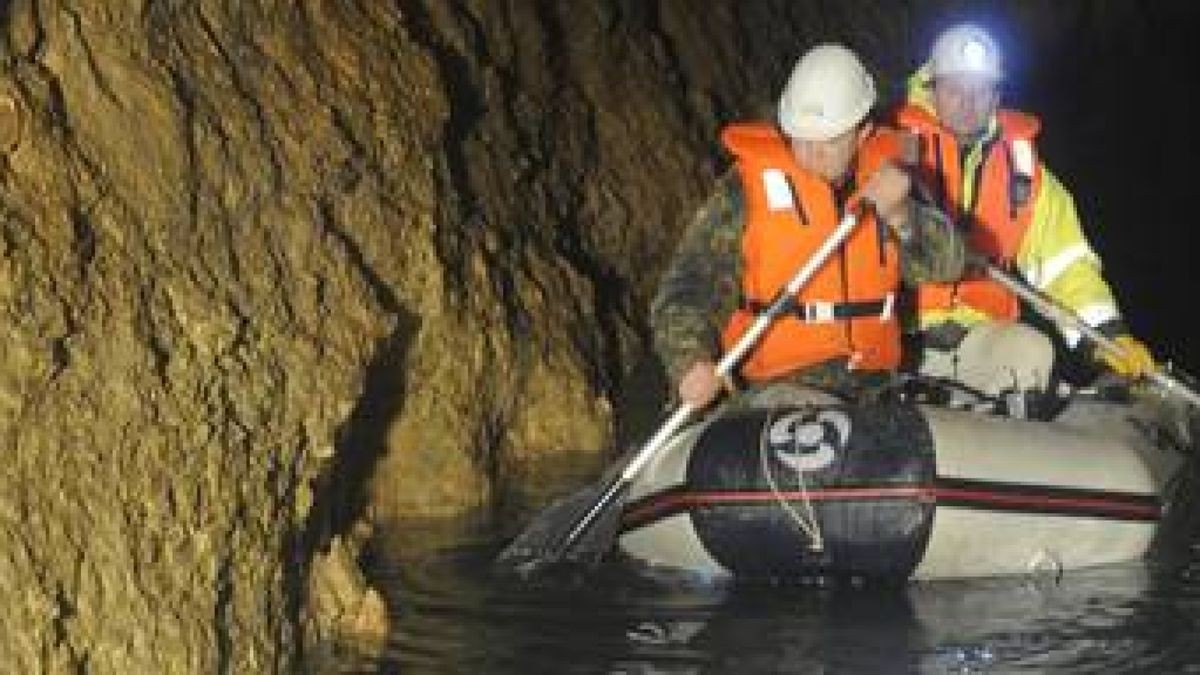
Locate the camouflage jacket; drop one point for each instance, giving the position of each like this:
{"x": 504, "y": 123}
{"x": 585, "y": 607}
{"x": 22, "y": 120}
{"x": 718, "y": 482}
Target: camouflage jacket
{"x": 702, "y": 286}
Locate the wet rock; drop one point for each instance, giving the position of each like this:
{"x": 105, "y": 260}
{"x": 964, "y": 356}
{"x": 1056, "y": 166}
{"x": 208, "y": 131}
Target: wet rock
{"x": 344, "y": 617}
{"x": 262, "y": 266}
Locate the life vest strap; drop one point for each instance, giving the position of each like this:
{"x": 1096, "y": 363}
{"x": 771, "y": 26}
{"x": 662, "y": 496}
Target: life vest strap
{"x": 825, "y": 312}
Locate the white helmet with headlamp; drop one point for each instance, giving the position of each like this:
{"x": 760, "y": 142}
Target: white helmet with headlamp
{"x": 966, "y": 49}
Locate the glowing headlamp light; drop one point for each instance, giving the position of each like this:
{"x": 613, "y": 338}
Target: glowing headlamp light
{"x": 975, "y": 55}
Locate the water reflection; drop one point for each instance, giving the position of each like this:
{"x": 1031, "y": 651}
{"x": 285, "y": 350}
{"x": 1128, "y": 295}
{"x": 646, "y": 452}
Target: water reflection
{"x": 451, "y": 615}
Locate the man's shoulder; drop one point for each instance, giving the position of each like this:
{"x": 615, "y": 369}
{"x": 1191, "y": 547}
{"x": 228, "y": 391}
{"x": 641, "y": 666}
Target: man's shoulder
{"x": 725, "y": 201}
{"x": 1017, "y": 124}
{"x": 887, "y": 138}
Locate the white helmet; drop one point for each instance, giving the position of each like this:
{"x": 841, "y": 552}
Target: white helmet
{"x": 828, "y": 92}
{"x": 966, "y": 49}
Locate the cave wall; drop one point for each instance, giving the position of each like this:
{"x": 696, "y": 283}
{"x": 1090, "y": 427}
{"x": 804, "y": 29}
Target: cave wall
{"x": 268, "y": 267}
{"x": 194, "y": 204}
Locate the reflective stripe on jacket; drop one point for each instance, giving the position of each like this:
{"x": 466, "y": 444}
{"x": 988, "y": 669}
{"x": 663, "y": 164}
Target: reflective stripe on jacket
{"x": 789, "y": 214}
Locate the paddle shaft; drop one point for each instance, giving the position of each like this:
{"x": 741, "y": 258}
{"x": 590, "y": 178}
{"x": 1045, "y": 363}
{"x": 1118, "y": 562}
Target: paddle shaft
{"x": 779, "y": 305}
{"x": 1064, "y": 317}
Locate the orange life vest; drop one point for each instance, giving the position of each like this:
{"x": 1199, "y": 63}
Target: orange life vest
{"x": 846, "y": 309}
{"x": 1009, "y": 177}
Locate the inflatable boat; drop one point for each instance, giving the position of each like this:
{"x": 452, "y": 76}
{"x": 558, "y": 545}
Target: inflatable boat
{"x": 904, "y": 489}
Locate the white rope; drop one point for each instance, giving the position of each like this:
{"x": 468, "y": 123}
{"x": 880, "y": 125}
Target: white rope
{"x": 808, "y": 525}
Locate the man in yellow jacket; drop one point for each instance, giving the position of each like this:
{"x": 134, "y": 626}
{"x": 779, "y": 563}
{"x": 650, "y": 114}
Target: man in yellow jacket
{"x": 979, "y": 163}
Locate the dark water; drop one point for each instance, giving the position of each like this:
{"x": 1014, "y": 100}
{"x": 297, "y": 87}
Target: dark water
{"x": 450, "y": 614}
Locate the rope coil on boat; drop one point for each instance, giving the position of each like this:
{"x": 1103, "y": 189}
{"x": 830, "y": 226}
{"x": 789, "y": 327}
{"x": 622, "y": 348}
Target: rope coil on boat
{"x": 807, "y": 523}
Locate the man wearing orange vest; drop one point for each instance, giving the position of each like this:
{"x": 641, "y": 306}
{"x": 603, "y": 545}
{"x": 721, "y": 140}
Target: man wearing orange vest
{"x": 781, "y": 201}
{"x": 980, "y": 164}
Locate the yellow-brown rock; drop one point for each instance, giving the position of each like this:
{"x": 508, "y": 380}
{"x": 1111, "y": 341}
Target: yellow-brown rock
{"x": 264, "y": 263}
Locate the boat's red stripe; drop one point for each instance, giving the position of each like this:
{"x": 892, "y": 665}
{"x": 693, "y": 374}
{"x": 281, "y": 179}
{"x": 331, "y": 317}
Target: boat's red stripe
{"x": 1091, "y": 504}
{"x": 1118, "y": 506}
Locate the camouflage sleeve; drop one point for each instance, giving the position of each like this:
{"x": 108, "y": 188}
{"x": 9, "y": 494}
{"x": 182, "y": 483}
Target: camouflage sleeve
{"x": 933, "y": 249}
{"x": 701, "y": 287}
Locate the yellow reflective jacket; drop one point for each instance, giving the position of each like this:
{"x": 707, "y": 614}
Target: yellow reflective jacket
{"x": 1052, "y": 254}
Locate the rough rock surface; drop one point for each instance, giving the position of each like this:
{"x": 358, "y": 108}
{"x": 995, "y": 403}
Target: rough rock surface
{"x": 265, "y": 263}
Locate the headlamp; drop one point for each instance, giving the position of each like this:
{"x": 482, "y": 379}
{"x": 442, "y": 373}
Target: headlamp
{"x": 975, "y": 55}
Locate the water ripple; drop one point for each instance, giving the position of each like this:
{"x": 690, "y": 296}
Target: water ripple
{"x": 450, "y": 614}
